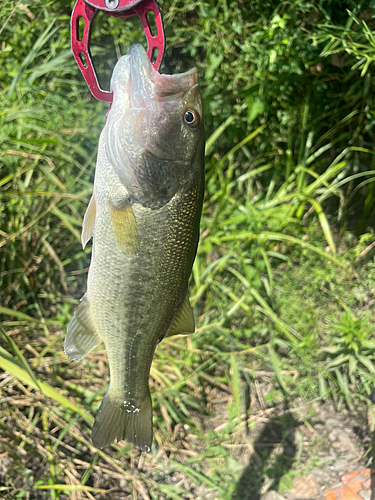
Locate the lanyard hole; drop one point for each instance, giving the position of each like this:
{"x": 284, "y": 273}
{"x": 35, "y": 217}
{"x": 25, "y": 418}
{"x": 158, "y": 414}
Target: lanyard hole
{"x": 154, "y": 55}
{"x": 80, "y": 28}
{"x": 82, "y": 57}
{"x": 151, "y": 22}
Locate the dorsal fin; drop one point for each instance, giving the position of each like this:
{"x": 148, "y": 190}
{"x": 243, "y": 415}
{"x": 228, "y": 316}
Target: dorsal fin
{"x": 89, "y": 222}
{"x": 184, "y": 321}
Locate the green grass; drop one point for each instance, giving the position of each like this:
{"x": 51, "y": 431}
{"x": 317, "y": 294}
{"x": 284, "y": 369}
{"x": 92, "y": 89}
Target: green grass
{"x": 283, "y": 281}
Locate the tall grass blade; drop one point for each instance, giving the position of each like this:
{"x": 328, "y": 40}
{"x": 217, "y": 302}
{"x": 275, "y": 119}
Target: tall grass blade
{"x": 242, "y": 143}
{"x": 324, "y": 224}
{"x": 215, "y": 135}
{"x": 20, "y": 356}
{"x": 235, "y": 383}
{"x": 10, "y": 365}
{"x": 66, "y": 220}
{"x": 289, "y": 332}
{"x": 71, "y": 487}
{"x": 276, "y": 367}
{"x": 41, "y": 41}
{"x": 19, "y": 315}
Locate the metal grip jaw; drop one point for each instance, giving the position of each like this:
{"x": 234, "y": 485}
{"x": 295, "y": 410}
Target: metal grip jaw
{"x": 87, "y": 9}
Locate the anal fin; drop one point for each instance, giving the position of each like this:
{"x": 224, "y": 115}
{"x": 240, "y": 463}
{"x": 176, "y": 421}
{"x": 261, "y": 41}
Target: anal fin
{"x": 81, "y": 337}
{"x": 184, "y": 321}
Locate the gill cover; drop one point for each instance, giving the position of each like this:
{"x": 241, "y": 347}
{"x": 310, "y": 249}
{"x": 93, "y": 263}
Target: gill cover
{"x": 149, "y": 142}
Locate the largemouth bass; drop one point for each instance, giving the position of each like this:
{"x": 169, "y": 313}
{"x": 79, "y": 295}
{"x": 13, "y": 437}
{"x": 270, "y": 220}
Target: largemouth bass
{"x": 144, "y": 219}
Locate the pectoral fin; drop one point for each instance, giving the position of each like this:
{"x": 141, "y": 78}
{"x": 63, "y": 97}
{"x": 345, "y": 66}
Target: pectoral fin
{"x": 88, "y": 222}
{"x": 184, "y": 321}
{"x": 81, "y": 337}
{"x": 125, "y": 227}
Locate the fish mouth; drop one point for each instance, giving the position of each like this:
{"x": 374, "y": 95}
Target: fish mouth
{"x": 135, "y": 76}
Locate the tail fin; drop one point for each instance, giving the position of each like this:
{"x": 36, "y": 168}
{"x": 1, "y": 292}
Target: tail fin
{"x": 119, "y": 420}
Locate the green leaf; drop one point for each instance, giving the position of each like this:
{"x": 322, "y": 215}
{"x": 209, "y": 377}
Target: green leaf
{"x": 352, "y": 365}
{"x": 365, "y": 361}
{"x": 368, "y": 344}
{"x": 344, "y": 386}
{"x": 255, "y": 107}
{"x": 330, "y": 350}
{"x": 340, "y": 360}
{"x": 322, "y": 386}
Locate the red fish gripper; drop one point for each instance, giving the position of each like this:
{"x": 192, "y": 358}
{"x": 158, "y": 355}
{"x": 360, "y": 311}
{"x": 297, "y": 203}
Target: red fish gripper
{"x": 86, "y": 10}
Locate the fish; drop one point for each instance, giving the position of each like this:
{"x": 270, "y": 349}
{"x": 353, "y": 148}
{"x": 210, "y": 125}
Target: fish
{"x": 144, "y": 218}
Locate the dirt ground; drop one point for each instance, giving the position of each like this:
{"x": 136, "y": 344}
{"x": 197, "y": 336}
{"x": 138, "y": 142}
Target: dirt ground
{"x": 301, "y": 450}
{"x": 313, "y": 445}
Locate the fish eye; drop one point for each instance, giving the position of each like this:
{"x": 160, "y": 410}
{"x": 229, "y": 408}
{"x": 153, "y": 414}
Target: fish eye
{"x": 191, "y": 118}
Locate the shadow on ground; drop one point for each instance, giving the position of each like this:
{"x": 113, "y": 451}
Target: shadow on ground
{"x": 274, "y": 454}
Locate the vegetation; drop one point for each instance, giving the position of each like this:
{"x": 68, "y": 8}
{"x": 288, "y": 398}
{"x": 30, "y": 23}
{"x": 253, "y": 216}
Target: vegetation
{"x": 283, "y": 282}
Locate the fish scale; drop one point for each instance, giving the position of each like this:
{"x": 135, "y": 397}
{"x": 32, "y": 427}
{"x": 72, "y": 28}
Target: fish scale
{"x": 144, "y": 219}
